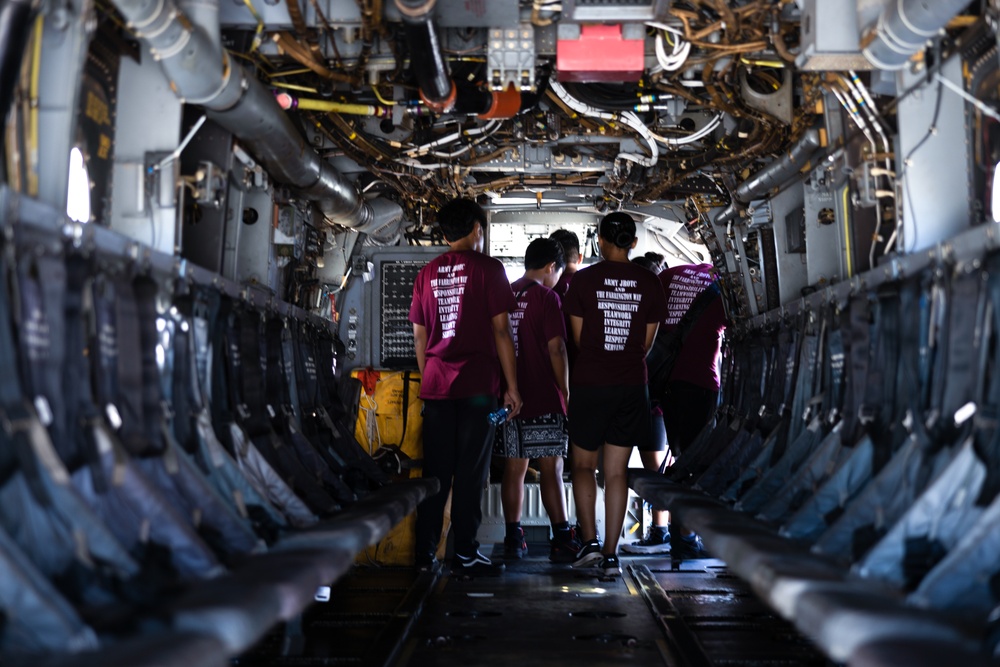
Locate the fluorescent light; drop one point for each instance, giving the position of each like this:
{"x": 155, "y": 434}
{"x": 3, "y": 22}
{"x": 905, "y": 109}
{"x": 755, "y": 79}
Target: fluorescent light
{"x": 78, "y": 194}
{"x": 525, "y": 201}
{"x": 995, "y": 199}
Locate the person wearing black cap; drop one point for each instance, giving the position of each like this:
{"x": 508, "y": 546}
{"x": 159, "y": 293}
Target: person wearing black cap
{"x": 614, "y": 308}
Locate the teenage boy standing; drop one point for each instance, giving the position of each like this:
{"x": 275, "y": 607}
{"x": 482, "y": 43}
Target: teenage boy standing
{"x": 615, "y": 308}
{"x": 541, "y": 431}
{"x": 570, "y": 243}
{"x": 463, "y": 342}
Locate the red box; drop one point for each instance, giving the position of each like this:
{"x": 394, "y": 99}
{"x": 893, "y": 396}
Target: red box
{"x": 600, "y": 55}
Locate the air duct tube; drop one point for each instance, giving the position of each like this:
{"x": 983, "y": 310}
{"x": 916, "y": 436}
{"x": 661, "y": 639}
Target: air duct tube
{"x": 15, "y": 19}
{"x": 904, "y": 27}
{"x": 437, "y": 89}
{"x": 200, "y": 74}
{"x": 488, "y": 104}
{"x": 774, "y": 175}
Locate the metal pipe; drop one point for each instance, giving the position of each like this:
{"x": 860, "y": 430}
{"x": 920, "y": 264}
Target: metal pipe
{"x": 426, "y": 57}
{"x": 904, "y": 27}
{"x": 237, "y": 101}
{"x": 15, "y": 18}
{"x": 205, "y": 13}
{"x": 774, "y": 174}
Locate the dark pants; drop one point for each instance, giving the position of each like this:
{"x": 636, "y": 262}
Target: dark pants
{"x": 458, "y": 438}
{"x": 686, "y": 409}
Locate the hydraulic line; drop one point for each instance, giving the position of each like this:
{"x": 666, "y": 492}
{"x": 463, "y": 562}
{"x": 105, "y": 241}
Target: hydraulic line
{"x": 286, "y": 101}
{"x": 626, "y": 118}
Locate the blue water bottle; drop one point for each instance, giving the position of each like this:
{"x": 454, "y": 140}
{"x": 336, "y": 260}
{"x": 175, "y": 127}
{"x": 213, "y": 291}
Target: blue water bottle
{"x": 499, "y": 416}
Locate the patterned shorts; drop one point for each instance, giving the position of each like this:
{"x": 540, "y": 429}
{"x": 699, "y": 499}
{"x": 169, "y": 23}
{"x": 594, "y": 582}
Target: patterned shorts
{"x": 532, "y": 438}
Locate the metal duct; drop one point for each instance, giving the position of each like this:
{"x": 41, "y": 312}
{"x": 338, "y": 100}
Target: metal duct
{"x": 15, "y": 18}
{"x": 205, "y": 14}
{"x": 904, "y": 27}
{"x": 426, "y": 58}
{"x": 773, "y": 175}
{"x": 200, "y": 73}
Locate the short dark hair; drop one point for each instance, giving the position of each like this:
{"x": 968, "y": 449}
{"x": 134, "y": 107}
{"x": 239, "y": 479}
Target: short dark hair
{"x": 458, "y": 218}
{"x": 657, "y": 258}
{"x": 570, "y": 243}
{"x": 645, "y": 262}
{"x": 618, "y": 227}
{"x": 542, "y": 252}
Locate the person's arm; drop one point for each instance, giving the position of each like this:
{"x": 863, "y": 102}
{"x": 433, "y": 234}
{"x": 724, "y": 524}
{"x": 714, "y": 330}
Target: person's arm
{"x": 504, "y": 340}
{"x": 576, "y": 326}
{"x": 420, "y": 344}
{"x": 651, "y": 329}
{"x": 560, "y": 365}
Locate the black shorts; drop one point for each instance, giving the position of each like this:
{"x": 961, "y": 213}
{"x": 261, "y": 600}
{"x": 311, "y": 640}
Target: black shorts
{"x": 616, "y": 415}
{"x": 658, "y": 432}
{"x": 686, "y": 409}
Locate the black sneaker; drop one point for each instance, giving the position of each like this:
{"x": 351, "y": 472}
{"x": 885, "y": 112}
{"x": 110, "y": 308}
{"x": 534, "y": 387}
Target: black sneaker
{"x": 657, "y": 542}
{"x": 564, "y": 547}
{"x": 475, "y": 566}
{"x": 515, "y": 547}
{"x": 687, "y": 548}
{"x": 610, "y": 567}
{"x": 589, "y": 554}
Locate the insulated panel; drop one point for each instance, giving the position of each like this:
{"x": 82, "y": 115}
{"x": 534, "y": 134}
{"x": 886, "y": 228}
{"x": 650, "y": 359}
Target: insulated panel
{"x": 935, "y": 171}
{"x": 148, "y": 125}
{"x": 790, "y": 243}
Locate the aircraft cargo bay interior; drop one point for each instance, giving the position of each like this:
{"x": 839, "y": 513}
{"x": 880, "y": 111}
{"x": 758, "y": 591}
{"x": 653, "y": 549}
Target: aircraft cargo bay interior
{"x": 488, "y": 332}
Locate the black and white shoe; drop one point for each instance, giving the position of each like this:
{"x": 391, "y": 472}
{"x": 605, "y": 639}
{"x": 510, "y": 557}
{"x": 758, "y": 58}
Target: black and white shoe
{"x": 476, "y": 565}
{"x": 656, "y": 543}
{"x": 589, "y": 554}
{"x": 609, "y": 567}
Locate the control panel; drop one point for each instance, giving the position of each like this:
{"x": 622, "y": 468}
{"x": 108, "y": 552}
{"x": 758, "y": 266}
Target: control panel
{"x": 396, "y": 333}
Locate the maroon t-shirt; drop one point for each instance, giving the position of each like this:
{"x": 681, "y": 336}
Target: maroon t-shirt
{"x": 455, "y": 297}
{"x": 562, "y": 285}
{"x": 536, "y": 320}
{"x": 561, "y": 288}
{"x": 698, "y": 360}
{"x": 616, "y": 301}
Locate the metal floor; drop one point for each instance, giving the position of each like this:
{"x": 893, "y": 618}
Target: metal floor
{"x": 538, "y": 613}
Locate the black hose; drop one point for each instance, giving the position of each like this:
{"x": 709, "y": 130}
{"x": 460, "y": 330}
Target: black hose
{"x": 426, "y": 57}
{"x": 602, "y": 98}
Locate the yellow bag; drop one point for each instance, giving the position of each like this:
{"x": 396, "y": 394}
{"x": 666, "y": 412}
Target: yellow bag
{"x": 381, "y": 422}
{"x": 381, "y": 419}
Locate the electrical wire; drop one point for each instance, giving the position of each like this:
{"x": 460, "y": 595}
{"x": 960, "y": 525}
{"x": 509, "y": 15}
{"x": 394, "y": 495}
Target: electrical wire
{"x": 681, "y": 48}
{"x": 292, "y": 86}
{"x": 626, "y": 118}
{"x": 958, "y": 90}
{"x": 931, "y": 131}
{"x": 258, "y": 35}
{"x": 694, "y": 136}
